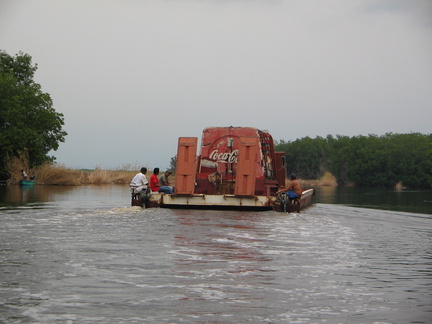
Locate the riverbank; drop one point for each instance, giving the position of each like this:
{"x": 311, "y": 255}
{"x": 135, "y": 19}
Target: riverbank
{"x": 327, "y": 180}
{"x": 54, "y": 174}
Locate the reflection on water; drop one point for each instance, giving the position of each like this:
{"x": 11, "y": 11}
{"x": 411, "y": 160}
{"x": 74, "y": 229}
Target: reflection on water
{"x": 40, "y": 193}
{"x": 326, "y": 195}
{"x": 65, "y": 197}
{"x": 417, "y": 201}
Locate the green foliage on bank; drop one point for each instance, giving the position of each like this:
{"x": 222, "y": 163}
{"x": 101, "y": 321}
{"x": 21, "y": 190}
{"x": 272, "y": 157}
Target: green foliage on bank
{"x": 29, "y": 125}
{"x": 363, "y": 160}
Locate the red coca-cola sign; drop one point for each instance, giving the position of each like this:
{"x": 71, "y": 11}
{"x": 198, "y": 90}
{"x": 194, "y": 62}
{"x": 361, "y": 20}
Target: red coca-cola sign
{"x": 225, "y": 157}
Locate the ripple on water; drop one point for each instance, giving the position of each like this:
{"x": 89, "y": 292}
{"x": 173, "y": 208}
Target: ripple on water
{"x": 328, "y": 264}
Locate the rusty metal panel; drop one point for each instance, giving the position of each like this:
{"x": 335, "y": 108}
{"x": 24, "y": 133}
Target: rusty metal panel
{"x": 280, "y": 166}
{"x": 246, "y": 167}
{"x": 186, "y": 165}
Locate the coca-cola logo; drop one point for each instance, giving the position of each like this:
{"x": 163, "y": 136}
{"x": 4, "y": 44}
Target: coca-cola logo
{"x": 230, "y": 157}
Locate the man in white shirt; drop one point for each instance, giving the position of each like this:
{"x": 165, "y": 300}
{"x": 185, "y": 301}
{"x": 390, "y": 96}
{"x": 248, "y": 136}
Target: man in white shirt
{"x": 139, "y": 182}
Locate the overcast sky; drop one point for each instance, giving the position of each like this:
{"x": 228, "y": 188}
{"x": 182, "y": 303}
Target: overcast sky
{"x": 131, "y": 76}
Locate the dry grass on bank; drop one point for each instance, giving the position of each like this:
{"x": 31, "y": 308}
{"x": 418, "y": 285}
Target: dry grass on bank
{"x": 53, "y": 174}
{"x": 56, "y": 174}
{"x": 399, "y": 186}
{"x": 327, "y": 180}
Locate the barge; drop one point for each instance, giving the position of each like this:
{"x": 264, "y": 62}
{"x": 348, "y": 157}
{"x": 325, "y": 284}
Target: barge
{"x": 237, "y": 169}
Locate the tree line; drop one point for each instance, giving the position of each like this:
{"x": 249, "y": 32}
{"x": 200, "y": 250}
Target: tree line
{"x": 29, "y": 125}
{"x": 363, "y": 160}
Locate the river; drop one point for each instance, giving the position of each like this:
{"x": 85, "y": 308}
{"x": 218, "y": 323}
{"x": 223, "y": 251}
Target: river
{"x": 82, "y": 255}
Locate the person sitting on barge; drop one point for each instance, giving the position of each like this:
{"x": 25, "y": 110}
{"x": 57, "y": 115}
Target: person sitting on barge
{"x": 154, "y": 181}
{"x": 164, "y": 183}
{"x": 139, "y": 182}
{"x": 294, "y": 189}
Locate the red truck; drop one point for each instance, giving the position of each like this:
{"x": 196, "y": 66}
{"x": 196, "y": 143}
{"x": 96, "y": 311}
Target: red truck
{"x": 237, "y": 161}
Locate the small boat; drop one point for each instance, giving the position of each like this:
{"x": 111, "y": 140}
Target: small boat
{"x": 237, "y": 169}
{"x": 27, "y": 183}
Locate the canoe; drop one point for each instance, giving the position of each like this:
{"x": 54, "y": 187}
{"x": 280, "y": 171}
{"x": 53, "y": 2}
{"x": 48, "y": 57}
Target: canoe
{"x": 27, "y": 183}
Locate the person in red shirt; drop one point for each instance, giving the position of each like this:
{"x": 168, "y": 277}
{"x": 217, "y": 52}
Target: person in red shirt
{"x": 154, "y": 181}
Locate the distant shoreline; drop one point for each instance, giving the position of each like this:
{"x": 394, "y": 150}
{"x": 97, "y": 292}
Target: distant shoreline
{"x": 58, "y": 175}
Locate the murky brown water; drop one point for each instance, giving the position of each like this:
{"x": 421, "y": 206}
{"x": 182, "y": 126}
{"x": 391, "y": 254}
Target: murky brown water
{"x": 82, "y": 255}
